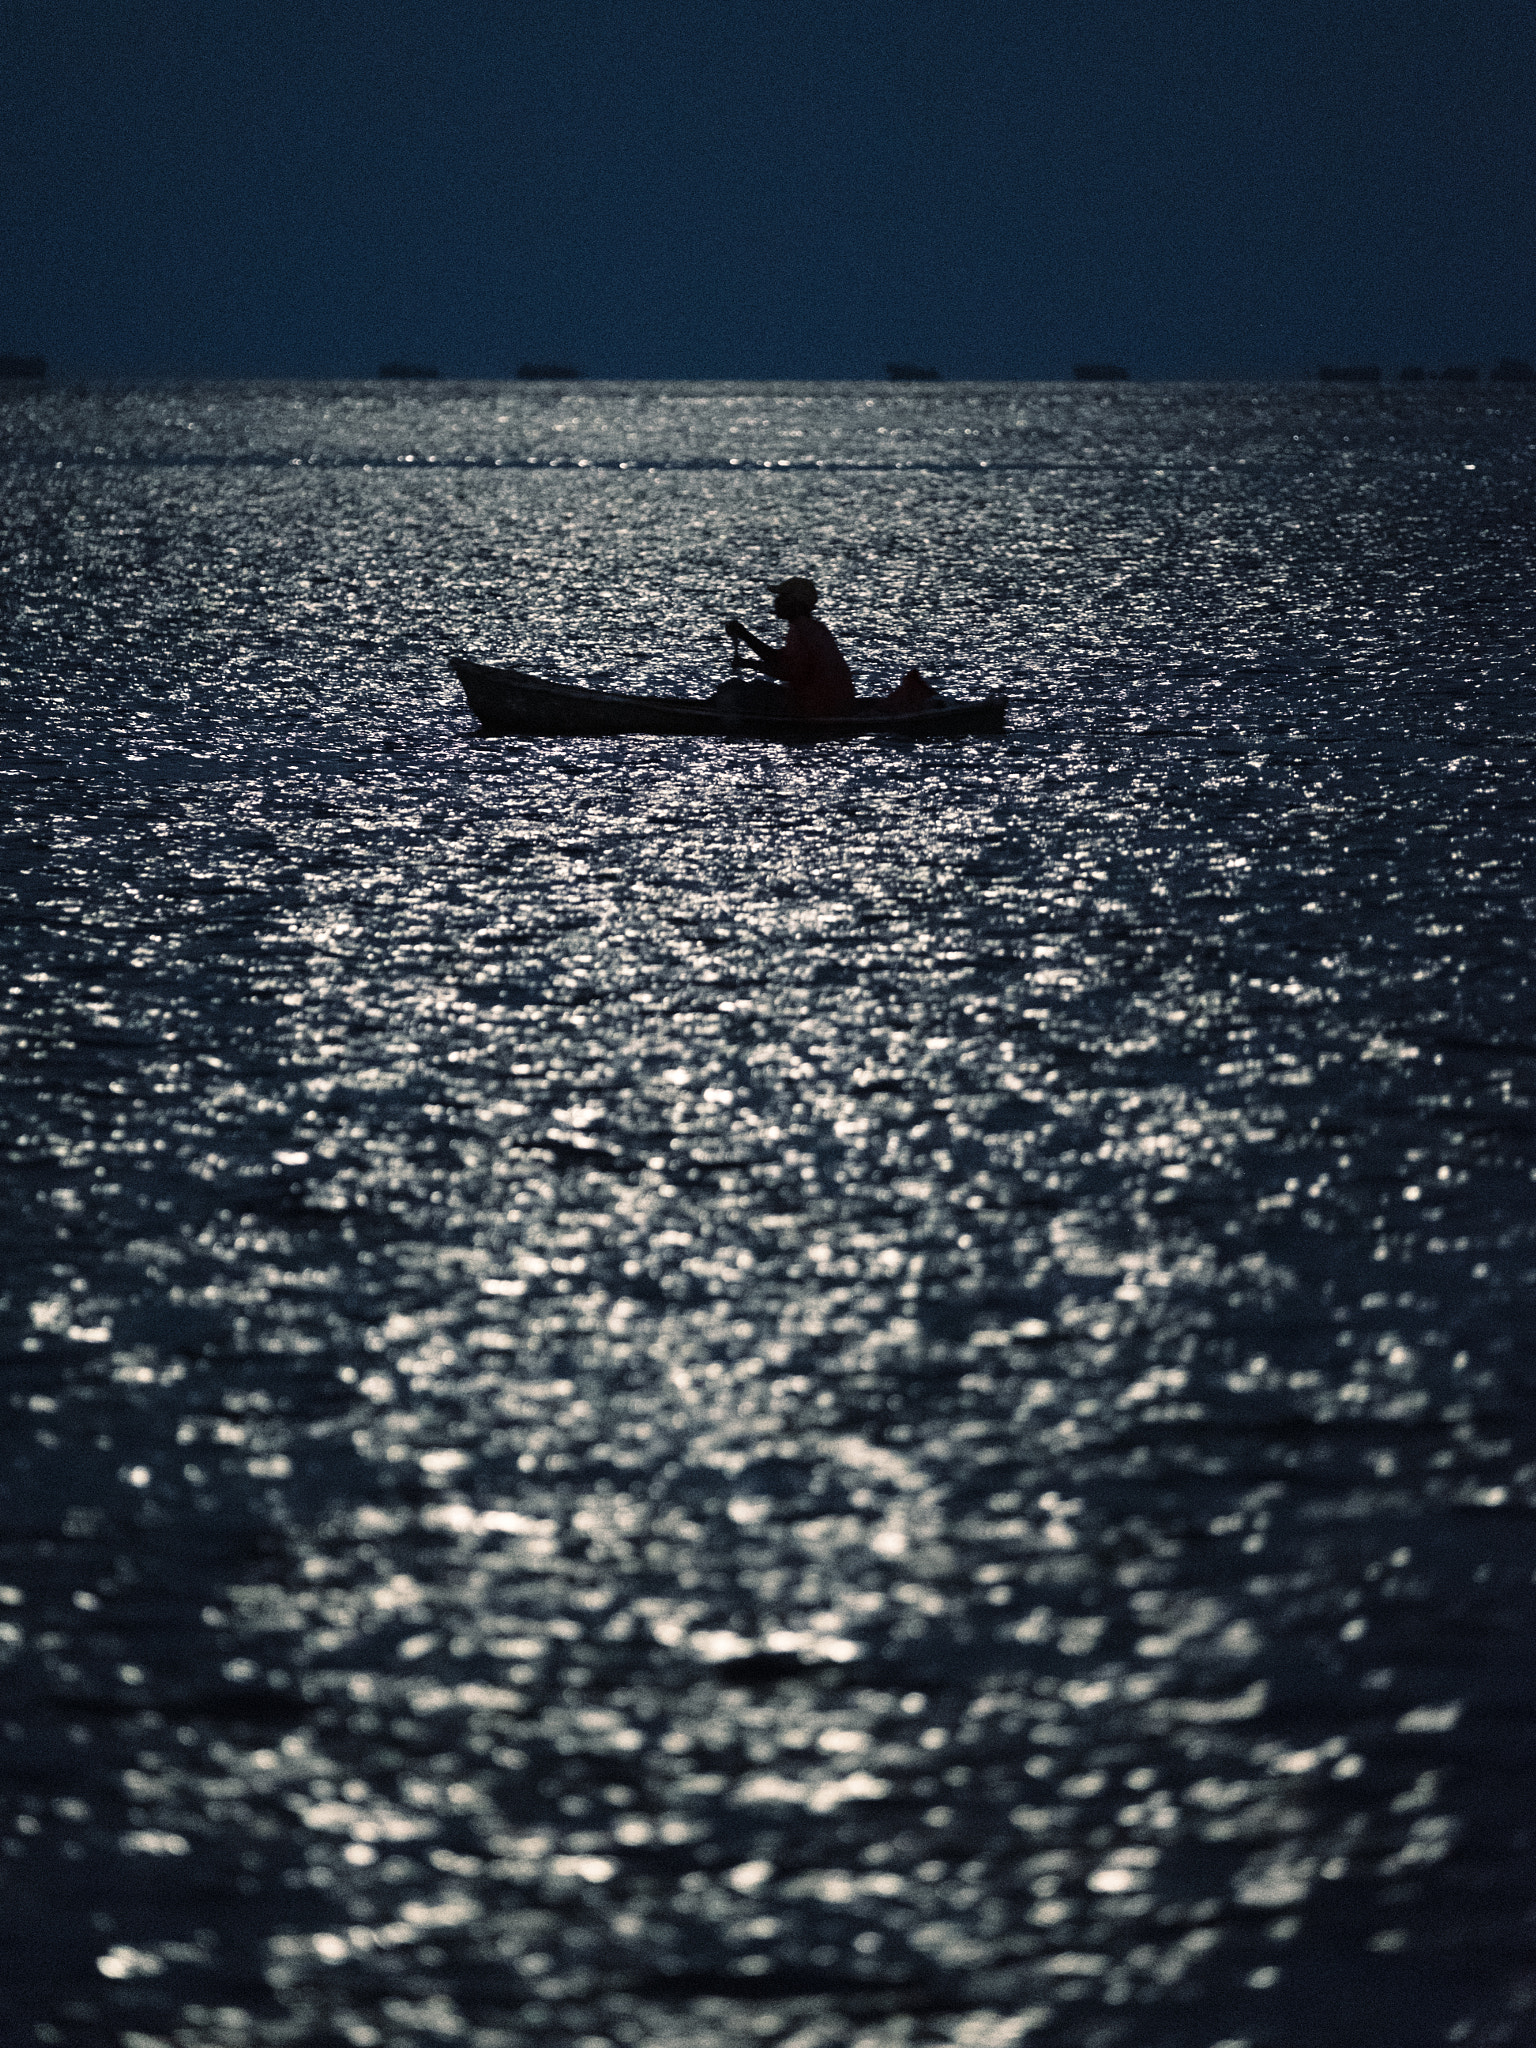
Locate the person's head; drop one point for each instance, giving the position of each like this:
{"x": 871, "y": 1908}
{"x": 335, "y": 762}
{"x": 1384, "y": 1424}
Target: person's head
{"x": 794, "y": 598}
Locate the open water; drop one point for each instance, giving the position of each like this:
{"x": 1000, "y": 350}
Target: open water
{"x": 680, "y": 1395}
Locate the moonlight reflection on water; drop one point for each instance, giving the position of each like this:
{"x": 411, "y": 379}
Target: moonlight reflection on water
{"x": 684, "y": 1394}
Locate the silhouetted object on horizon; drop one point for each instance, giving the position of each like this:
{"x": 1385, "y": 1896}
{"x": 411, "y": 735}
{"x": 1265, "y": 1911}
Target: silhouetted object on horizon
{"x": 1512, "y": 370}
{"x": 1412, "y": 375}
{"x": 1460, "y": 373}
{"x": 23, "y": 366}
{"x": 405, "y": 370}
{"x": 1349, "y": 373}
{"x": 1099, "y": 373}
{"x": 911, "y": 373}
{"x": 555, "y": 373}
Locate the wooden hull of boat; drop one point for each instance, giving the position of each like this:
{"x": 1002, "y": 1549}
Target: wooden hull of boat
{"x": 506, "y": 701}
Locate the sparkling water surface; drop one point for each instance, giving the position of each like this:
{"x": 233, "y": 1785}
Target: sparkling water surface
{"x": 673, "y": 1393}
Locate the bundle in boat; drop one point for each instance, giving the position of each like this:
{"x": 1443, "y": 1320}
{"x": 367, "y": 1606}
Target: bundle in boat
{"x": 507, "y": 701}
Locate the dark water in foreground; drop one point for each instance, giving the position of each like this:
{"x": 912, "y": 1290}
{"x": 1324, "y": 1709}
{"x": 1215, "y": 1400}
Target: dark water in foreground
{"x": 844, "y": 1398}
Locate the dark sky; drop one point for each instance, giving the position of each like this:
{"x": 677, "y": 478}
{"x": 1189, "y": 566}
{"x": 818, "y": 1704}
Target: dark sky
{"x": 710, "y": 188}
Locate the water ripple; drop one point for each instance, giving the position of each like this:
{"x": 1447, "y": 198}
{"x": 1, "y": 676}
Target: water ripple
{"x": 677, "y": 1395}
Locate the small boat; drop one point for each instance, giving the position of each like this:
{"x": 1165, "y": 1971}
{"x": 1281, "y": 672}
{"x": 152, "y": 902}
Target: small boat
{"x": 505, "y": 700}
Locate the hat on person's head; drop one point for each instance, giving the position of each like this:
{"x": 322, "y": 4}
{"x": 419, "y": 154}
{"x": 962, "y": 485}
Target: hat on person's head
{"x": 798, "y": 589}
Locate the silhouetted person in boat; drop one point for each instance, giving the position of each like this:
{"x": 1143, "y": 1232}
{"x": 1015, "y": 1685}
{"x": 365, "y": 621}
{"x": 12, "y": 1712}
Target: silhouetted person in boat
{"x": 817, "y": 682}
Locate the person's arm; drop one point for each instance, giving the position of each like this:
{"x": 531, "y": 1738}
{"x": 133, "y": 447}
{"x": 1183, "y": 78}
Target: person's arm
{"x": 770, "y": 657}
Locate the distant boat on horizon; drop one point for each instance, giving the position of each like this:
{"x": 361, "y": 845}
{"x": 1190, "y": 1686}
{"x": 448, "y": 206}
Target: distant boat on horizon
{"x": 912, "y": 373}
{"x": 1512, "y": 370}
{"x": 34, "y": 367}
{"x": 406, "y": 370}
{"x": 553, "y": 373}
{"x": 1099, "y": 373}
